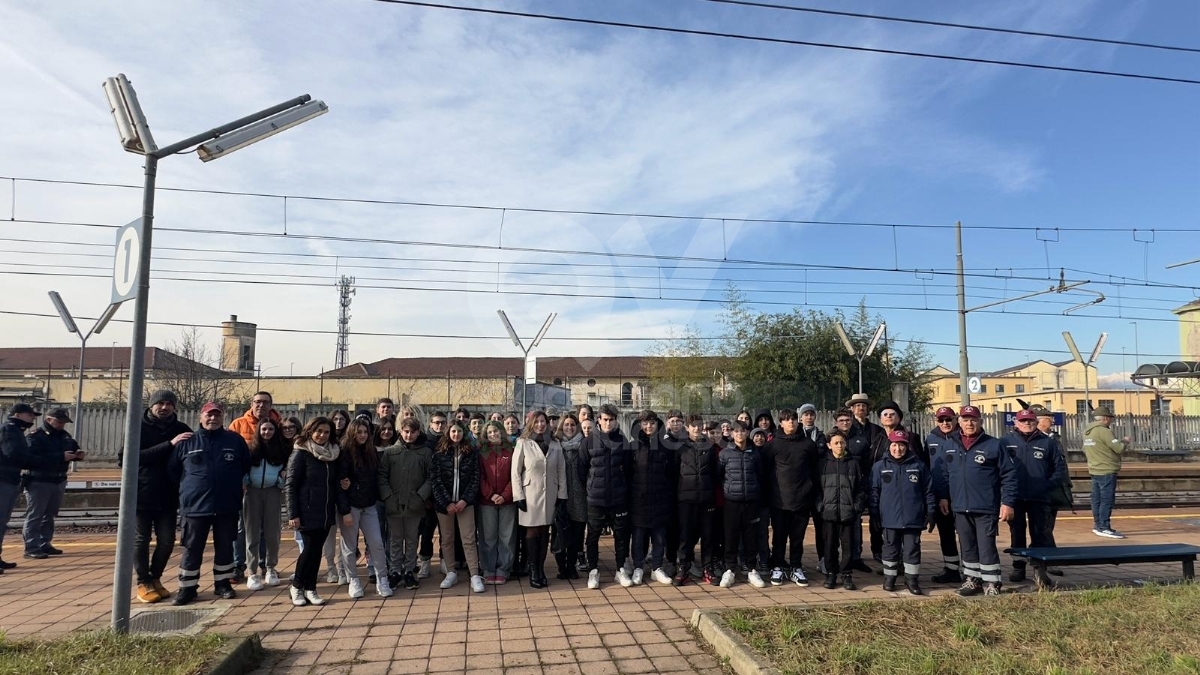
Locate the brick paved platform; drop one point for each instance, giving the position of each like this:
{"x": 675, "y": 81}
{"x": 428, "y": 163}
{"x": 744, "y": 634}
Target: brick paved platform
{"x": 510, "y": 629}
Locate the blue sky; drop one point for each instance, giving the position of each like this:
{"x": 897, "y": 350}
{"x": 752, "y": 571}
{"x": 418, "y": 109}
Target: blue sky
{"x": 436, "y": 106}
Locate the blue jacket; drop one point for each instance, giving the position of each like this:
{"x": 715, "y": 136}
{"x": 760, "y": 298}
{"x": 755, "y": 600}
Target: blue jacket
{"x": 981, "y": 478}
{"x": 1041, "y": 467}
{"x": 902, "y": 492}
{"x": 741, "y": 473}
{"x": 209, "y": 468}
{"x": 937, "y": 444}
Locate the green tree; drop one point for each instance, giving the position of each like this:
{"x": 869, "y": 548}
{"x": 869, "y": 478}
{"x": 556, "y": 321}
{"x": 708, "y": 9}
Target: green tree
{"x": 685, "y": 370}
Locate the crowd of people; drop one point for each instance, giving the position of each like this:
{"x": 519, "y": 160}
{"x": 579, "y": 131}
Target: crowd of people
{"x": 499, "y": 493}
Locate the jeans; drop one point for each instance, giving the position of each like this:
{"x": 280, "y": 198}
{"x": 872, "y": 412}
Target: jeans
{"x": 162, "y": 525}
{"x": 658, "y": 544}
{"x": 367, "y": 521}
{"x": 42, "y": 501}
{"x": 496, "y": 538}
{"x": 8, "y": 499}
{"x": 260, "y": 513}
{"x": 1104, "y": 496}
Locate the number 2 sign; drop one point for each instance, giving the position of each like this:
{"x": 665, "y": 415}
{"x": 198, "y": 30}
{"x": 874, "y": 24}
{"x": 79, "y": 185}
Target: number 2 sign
{"x": 127, "y": 261}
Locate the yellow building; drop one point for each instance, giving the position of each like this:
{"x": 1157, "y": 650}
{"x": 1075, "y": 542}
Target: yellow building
{"x": 1058, "y": 386}
{"x": 1189, "y": 348}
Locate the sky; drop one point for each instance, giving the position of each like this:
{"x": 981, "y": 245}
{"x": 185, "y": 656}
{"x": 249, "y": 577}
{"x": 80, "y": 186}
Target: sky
{"x": 542, "y": 126}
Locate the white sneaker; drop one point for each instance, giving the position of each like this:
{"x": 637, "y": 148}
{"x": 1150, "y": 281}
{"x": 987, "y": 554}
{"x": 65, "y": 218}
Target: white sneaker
{"x": 798, "y": 577}
{"x": 594, "y": 579}
{"x": 755, "y": 580}
{"x": 450, "y": 580}
{"x": 331, "y": 577}
{"x": 777, "y": 577}
{"x": 1111, "y": 534}
{"x": 727, "y": 579}
{"x": 297, "y": 596}
{"x": 660, "y": 576}
{"x": 623, "y": 578}
{"x": 477, "y": 584}
{"x": 313, "y": 598}
{"x": 383, "y": 587}
{"x": 254, "y": 582}
{"x": 638, "y": 576}
{"x": 272, "y": 577}
{"x": 423, "y": 568}
{"x": 628, "y": 567}
{"x": 356, "y": 588}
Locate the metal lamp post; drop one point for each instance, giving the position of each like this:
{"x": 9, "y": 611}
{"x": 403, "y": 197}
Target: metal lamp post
{"x": 863, "y": 355}
{"x": 134, "y": 282}
{"x": 1087, "y": 365}
{"x": 517, "y": 341}
{"x": 69, "y": 322}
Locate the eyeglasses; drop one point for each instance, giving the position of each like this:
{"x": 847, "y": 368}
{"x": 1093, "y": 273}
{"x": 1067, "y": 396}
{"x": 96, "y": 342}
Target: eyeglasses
{"x": 288, "y": 427}
{"x": 945, "y": 420}
{"x": 437, "y": 423}
{"x": 259, "y": 401}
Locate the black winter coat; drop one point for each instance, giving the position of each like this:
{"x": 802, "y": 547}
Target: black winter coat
{"x": 655, "y": 473}
{"x": 741, "y": 473}
{"x": 14, "y": 451}
{"x": 156, "y": 491}
{"x": 364, "y": 484}
{"x": 607, "y": 470}
{"x": 697, "y": 472}
{"x": 454, "y": 477}
{"x": 48, "y": 444}
{"x": 310, "y": 490}
{"x": 209, "y": 468}
{"x": 790, "y": 468}
{"x": 842, "y": 493}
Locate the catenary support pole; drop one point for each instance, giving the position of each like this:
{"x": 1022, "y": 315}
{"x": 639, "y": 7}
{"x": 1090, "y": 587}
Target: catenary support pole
{"x": 964, "y": 375}
{"x": 127, "y": 516}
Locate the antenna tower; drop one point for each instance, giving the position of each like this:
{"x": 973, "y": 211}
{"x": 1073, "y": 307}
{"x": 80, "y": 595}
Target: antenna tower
{"x": 345, "y": 287}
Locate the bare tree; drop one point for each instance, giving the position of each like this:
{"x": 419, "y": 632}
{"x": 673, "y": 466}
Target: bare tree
{"x": 192, "y": 370}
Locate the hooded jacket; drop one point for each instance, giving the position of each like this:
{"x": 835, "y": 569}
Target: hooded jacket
{"x": 982, "y": 478}
{"x": 606, "y": 469}
{"x": 403, "y": 479}
{"x": 841, "y": 489}
{"x": 209, "y": 467}
{"x": 1041, "y": 467}
{"x": 740, "y": 472}
{"x": 310, "y": 489}
{"x": 902, "y": 492}
{"x": 789, "y": 468}
{"x": 246, "y": 426}
{"x": 761, "y": 413}
{"x": 655, "y": 474}
{"x": 47, "y": 445}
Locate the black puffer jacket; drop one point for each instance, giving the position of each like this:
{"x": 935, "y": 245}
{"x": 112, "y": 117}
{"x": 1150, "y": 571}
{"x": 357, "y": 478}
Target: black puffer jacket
{"x": 310, "y": 490}
{"x": 607, "y": 468}
{"x": 455, "y": 477}
{"x": 741, "y": 473}
{"x": 697, "y": 472}
{"x": 156, "y": 493}
{"x": 48, "y": 445}
{"x": 364, "y": 483}
{"x": 790, "y": 467}
{"x": 655, "y": 473}
{"x": 843, "y": 490}
{"x": 14, "y": 450}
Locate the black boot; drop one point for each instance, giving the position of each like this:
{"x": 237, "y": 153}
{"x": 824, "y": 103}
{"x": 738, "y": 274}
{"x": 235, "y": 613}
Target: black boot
{"x": 184, "y": 596}
{"x": 914, "y": 586}
{"x": 224, "y": 589}
{"x": 889, "y": 583}
{"x": 543, "y": 542}
{"x": 831, "y": 581}
{"x": 848, "y": 582}
{"x": 531, "y": 548}
{"x": 564, "y": 566}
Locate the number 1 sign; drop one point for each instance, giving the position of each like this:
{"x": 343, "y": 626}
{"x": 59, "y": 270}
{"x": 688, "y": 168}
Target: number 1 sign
{"x": 126, "y": 262}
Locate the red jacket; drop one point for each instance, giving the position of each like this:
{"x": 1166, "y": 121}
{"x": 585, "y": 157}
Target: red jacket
{"x": 496, "y": 478}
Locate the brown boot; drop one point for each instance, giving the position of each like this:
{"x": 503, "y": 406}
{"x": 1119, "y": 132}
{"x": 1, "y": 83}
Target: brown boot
{"x": 162, "y": 590}
{"x": 147, "y": 593}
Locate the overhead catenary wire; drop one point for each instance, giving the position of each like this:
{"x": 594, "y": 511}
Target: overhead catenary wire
{"x": 790, "y": 42}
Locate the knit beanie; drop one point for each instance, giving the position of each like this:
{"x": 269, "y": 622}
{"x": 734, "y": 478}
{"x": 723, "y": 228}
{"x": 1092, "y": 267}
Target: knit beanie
{"x": 164, "y": 396}
{"x": 808, "y": 407}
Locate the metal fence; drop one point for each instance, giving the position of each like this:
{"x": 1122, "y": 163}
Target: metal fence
{"x": 104, "y": 426}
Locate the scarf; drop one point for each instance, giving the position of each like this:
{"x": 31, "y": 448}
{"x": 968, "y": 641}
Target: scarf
{"x": 573, "y": 442}
{"x": 543, "y": 441}
{"x": 326, "y": 453}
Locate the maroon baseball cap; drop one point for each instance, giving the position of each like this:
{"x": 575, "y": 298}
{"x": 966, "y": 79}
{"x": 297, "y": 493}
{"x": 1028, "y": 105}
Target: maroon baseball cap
{"x": 944, "y": 412}
{"x": 1026, "y": 416}
{"x": 210, "y": 406}
{"x": 969, "y": 411}
{"x": 898, "y": 436}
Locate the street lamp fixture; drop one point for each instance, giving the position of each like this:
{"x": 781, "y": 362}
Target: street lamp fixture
{"x": 69, "y": 322}
{"x": 512, "y": 334}
{"x": 1087, "y": 365}
{"x": 851, "y": 351}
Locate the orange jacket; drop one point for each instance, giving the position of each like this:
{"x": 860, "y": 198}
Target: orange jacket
{"x": 247, "y": 425}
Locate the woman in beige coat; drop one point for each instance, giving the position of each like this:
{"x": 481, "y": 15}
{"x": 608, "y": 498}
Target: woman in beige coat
{"x": 539, "y": 483}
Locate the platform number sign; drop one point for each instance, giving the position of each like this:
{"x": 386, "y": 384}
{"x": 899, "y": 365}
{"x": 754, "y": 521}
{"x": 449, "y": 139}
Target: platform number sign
{"x": 126, "y": 262}
{"x": 974, "y": 385}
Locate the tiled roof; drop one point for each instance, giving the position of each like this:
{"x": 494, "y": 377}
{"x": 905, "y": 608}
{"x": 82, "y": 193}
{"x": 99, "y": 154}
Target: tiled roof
{"x": 41, "y": 359}
{"x": 459, "y": 366}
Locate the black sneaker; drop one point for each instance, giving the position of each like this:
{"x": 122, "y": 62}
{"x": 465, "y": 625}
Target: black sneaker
{"x": 1017, "y": 575}
{"x": 394, "y": 579}
{"x": 5, "y": 565}
{"x": 948, "y": 576}
{"x": 860, "y": 566}
{"x": 970, "y": 586}
{"x": 831, "y": 581}
{"x": 848, "y": 582}
{"x": 224, "y": 590}
{"x": 36, "y": 555}
{"x": 681, "y": 577}
{"x": 50, "y": 550}
{"x": 410, "y": 581}
{"x": 184, "y": 596}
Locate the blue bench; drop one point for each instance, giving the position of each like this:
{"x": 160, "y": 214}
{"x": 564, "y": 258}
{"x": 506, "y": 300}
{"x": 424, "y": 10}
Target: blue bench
{"x": 1043, "y": 557}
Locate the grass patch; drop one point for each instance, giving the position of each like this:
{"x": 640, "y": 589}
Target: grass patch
{"x": 1147, "y": 631}
{"x": 107, "y": 653}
